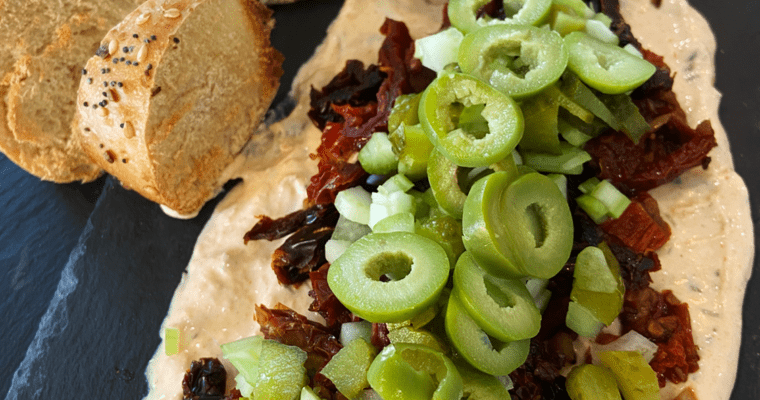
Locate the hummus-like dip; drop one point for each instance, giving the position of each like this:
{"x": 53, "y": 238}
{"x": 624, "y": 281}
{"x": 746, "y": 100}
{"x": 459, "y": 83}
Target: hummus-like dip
{"x": 706, "y": 263}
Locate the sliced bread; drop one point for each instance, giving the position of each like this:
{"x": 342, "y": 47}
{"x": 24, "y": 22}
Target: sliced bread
{"x": 175, "y": 91}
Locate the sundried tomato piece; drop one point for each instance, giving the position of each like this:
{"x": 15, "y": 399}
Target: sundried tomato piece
{"x": 665, "y": 320}
{"x": 304, "y": 250}
{"x": 640, "y": 227}
{"x": 270, "y": 229}
{"x": 288, "y": 327}
{"x": 325, "y": 303}
{"x": 354, "y": 86}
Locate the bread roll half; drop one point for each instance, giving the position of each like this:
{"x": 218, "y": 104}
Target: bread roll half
{"x": 174, "y": 92}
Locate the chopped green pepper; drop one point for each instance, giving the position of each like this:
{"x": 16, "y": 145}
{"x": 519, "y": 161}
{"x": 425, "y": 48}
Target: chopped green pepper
{"x": 604, "y": 306}
{"x": 635, "y": 378}
{"x": 418, "y": 267}
{"x": 517, "y": 60}
{"x": 591, "y": 382}
{"x": 347, "y": 369}
{"x": 474, "y": 345}
{"x": 452, "y": 95}
{"x": 412, "y": 371}
{"x": 503, "y": 308}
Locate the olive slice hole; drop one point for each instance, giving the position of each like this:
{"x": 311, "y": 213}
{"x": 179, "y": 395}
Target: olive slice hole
{"x": 388, "y": 266}
{"x": 501, "y": 298}
{"x": 491, "y": 342}
{"x": 466, "y": 177}
{"x": 469, "y": 119}
{"x": 536, "y": 223}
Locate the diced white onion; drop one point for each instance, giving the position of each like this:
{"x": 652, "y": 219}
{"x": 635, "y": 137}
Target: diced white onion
{"x": 353, "y": 203}
{"x": 438, "y": 50}
{"x": 631, "y": 341}
{"x": 350, "y": 331}
{"x": 334, "y": 249}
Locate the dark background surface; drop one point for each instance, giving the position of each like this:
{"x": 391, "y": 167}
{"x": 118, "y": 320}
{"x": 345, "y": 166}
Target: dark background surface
{"x": 110, "y": 260}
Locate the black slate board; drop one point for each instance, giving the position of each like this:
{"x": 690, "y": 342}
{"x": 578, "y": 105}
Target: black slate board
{"x": 127, "y": 257}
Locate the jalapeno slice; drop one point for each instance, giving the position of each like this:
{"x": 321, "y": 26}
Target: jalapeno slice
{"x": 418, "y": 268}
{"x": 412, "y": 371}
{"x": 468, "y": 121}
{"x": 516, "y": 60}
{"x": 474, "y": 345}
{"x": 463, "y": 13}
{"x": 605, "y": 67}
{"x": 503, "y": 308}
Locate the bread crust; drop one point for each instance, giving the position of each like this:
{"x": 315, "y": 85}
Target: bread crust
{"x": 44, "y": 44}
{"x": 169, "y": 114}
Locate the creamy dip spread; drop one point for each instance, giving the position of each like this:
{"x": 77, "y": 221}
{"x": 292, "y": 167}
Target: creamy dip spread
{"x": 706, "y": 263}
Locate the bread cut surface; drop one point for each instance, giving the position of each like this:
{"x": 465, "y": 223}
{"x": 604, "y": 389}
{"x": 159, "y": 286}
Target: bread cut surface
{"x": 176, "y": 90}
{"x": 43, "y": 46}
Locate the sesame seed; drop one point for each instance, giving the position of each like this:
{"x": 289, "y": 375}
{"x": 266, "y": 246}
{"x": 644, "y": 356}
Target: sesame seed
{"x": 122, "y": 59}
{"x": 86, "y": 104}
{"x": 115, "y": 60}
{"x": 104, "y": 95}
{"x": 125, "y": 49}
{"x": 134, "y": 35}
{"x": 113, "y": 46}
{"x": 101, "y": 145}
{"x": 172, "y": 13}
{"x": 84, "y": 71}
{"x": 142, "y": 55}
{"x": 89, "y": 81}
{"x": 94, "y": 106}
{"x": 150, "y": 67}
{"x": 102, "y": 70}
{"x": 153, "y": 37}
{"x": 129, "y": 130}
{"x": 143, "y": 18}
{"x": 113, "y": 83}
{"x": 129, "y": 62}
{"x": 123, "y": 160}
{"x": 131, "y": 48}
{"x": 176, "y": 40}
{"x": 146, "y": 40}
{"x": 86, "y": 129}
{"x": 105, "y": 83}
{"x": 103, "y": 103}
{"x": 121, "y": 84}
{"x": 121, "y": 125}
{"x": 108, "y": 70}
{"x": 135, "y": 63}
